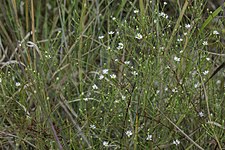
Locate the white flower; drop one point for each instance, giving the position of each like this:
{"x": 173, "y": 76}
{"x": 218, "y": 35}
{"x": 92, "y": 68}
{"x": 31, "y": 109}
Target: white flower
{"x": 18, "y": 84}
{"x": 100, "y": 77}
{"x": 161, "y": 48}
{"x": 166, "y": 89}
{"x": 164, "y": 3}
{"x": 149, "y": 137}
{"x": 162, "y": 14}
{"x": 127, "y": 62}
{"x": 92, "y": 126}
{"x": 176, "y": 142}
{"x": 158, "y": 91}
{"x": 113, "y": 76}
{"x": 105, "y": 143}
{"x": 136, "y": 11}
{"x": 138, "y": 36}
{"x": 205, "y": 72}
{"x": 179, "y": 40}
{"x": 208, "y": 59}
{"x": 129, "y": 133}
{"x": 108, "y": 48}
{"x": 201, "y": 114}
{"x": 0, "y": 80}
{"x": 204, "y": 43}
{"x": 196, "y": 85}
{"x": 176, "y": 58}
{"x": 134, "y": 73}
{"x": 216, "y": 32}
{"x": 187, "y": 26}
{"x": 123, "y": 97}
{"x": 86, "y": 99}
{"x": 174, "y": 90}
{"x": 101, "y": 37}
{"x": 110, "y": 32}
{"x": 105, "y": 71}
{"x": 117, "y": 101}
{"x": 94, "y": 87}
{"x": 120, "y": 46}
{"x": 113, "y": 18}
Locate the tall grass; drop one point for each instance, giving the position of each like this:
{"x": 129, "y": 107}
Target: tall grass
{"x": 109, "y": 75}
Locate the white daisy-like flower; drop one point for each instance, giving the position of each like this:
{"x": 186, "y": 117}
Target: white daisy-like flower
{"x": 215, "y": 32}
{"x": 110, "y": 32}
{"x": 92, "y": 126}
{"x": 149, "y": 137}
{"x": 105, "y": 71}
{"x": 196, "y": 85}
{"x": 123, "y": 97}
{"x": 129, "y": 133}
{"x": 176, "y": 142}
{"x": 105, "y": 143}
{"x": 136, "y": 11}
{"x": 187, "y": 26}
{"x": 162, "y": 14}
{"x": 208, "y": 59}
{"x": 166, "y": 89}
{"x": 120, "y": 46}
{"x": 205, "y": 72}
{"x": 85, "y": 99}
{"x": 164, "y": 3}
{"x": 101, "y": 37}
{"x": 174, "y": 90}
{"x": 127, "y": 62}
{"x": 134, "y": 73}
{"x": 176, "y": 58}
{"x": 108, "y": 48}
{"x": 138, "y": 36}
{"x": 179, "y": 40}
{"x": 101, "y": 77}
{"x": 158, "y": 91}
{"x": 95, "y": 87}
{"x": 205, "y": 43}
{"x": 112, "y": 76}
{"x": 113, "y": 18}
{"x": 162, "y": 48}
{"x": 18, "y": 84}
{"x": 201, "y": 114}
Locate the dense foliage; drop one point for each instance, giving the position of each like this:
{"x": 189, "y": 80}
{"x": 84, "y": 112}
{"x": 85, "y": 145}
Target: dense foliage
{"x": 112, "y": 74}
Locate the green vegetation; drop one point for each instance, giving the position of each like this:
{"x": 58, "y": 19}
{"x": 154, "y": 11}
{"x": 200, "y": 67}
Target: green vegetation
{"x": 111, "y": 75}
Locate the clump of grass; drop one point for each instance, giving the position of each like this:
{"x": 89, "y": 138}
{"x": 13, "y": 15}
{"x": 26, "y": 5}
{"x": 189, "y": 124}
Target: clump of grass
{"x": 108, "y": 75}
